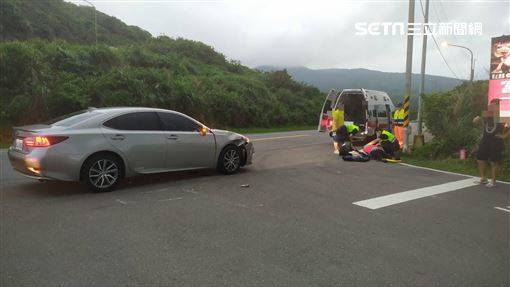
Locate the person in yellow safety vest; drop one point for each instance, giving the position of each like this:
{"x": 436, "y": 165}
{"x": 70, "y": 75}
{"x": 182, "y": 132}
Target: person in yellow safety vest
{"x": 338, "y": 121}
{"x": 398, "y": 123}
{"x": 338, "y": 118}
{"x": 343, "y": 134}
{"x": 390, "y": 144}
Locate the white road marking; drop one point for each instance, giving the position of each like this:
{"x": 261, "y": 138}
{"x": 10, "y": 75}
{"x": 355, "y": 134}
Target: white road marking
{"x": 276, "y": 138}
{"x": 445, "y": 172}
{"x": 503, "y": 209}
{"x": 391, "y": 199}
{"x": 170, "y": 199}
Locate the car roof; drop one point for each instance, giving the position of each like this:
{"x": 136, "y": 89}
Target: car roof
{"x": 130, "y": 109}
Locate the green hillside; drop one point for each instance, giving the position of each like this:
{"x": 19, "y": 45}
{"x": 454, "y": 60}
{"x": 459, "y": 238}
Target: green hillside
{"x": 42, "y": 79}
{"x": 56, "y": 19}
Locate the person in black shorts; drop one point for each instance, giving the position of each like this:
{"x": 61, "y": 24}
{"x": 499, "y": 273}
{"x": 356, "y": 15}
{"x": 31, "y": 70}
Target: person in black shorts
{"x": 491, "y": 148}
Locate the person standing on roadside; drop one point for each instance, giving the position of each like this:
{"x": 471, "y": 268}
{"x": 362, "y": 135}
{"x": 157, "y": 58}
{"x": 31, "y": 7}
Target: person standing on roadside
{"x": 398, "y": 123}
{"x": 338, "y": 121}
{"x": 491, "y": 147}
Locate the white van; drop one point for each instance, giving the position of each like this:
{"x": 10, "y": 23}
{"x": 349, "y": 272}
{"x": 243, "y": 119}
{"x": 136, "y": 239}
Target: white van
{"x": 373, "y": 109}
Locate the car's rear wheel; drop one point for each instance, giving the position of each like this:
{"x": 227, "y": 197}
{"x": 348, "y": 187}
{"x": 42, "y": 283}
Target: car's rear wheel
{"x": 229, "y": 161}
{"x": 102, "y": 172}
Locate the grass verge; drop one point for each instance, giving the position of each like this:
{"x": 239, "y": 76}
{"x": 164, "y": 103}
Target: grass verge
{"x": 272, "y": 130}
{"x": 467, "y": 166}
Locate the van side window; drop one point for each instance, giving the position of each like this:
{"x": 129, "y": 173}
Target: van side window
{"x": 380, "y": 111}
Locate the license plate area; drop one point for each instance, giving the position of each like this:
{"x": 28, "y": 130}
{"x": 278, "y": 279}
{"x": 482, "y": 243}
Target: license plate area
{"x": 18, "y": 144}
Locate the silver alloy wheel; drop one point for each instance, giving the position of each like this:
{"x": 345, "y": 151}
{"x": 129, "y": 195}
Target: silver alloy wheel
{"x": 103, "y": 173}
{"x": 231, "y": 160}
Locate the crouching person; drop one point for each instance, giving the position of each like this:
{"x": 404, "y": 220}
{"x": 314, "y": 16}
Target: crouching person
{"x": 342, "y": 137}
{"x": 390, "y": 145}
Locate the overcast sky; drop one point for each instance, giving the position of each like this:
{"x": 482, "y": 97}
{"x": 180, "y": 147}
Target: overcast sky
{"x": 316, "y": 33}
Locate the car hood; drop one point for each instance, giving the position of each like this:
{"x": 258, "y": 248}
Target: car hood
{"x": 226, "y": 133}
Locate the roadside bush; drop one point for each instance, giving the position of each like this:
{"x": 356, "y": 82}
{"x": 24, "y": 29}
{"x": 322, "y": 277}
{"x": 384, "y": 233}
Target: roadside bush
{"x": 449, "y": 115}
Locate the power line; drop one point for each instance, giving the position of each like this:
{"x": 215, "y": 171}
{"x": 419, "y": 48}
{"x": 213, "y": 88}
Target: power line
{"x": 437, "y": 46}
{"x": 440, "y": 19}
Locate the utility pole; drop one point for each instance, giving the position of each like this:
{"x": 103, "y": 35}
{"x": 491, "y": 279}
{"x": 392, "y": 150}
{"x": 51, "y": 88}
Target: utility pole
{"x": 423, "y": 64}
{"x": 95, "y": 17}
{"x": 409, "y": 70}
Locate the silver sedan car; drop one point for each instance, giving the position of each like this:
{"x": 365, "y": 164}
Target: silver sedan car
{"x": 102, "y": 146}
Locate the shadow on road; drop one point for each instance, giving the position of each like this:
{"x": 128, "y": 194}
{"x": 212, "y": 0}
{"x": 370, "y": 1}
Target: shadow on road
{"x": 35, "y": 189}
{"x": 148, "y": 181}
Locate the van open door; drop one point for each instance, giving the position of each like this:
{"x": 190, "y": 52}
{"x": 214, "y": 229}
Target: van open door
{"x": 326, "y": 115}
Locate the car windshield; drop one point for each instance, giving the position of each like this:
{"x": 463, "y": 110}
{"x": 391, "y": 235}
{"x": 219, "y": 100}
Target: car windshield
{"x": 73, "y": 118}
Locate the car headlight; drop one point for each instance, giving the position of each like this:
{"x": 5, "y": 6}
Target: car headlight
{"x": 246, "y": 139}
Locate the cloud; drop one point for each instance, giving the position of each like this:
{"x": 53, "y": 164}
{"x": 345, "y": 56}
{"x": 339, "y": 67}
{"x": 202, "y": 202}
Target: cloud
{"x": 316, "y": 34}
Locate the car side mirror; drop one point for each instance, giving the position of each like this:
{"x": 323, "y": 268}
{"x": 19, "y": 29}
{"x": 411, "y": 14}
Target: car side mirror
{"x": 203, "y": 131}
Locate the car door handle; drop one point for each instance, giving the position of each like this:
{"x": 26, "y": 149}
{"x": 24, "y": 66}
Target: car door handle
{"x": 172, "y": 137}
{"x": 118, "y": 137}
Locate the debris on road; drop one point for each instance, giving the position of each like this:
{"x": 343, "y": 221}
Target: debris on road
{"x": 245, "y": 185}
{"x": 121, "y": 201}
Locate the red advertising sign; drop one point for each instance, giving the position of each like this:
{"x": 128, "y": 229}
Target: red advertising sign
{"x": 499, "y": 83}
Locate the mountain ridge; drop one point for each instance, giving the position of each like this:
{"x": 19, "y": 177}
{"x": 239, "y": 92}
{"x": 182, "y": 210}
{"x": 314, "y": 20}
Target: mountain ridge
{"x": 343, "y": 78}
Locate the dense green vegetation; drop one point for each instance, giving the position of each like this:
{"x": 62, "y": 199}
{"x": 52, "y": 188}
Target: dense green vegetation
{"x": 41, "y": 80}
{"x": 50, "y": 65}
{"x": 56, "y": 19}
{"x": 449, "y": 117}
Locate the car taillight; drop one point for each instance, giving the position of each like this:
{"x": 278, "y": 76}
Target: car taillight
{"x": 42, "y": 141}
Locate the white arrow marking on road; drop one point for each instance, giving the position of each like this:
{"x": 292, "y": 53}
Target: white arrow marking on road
{"x": 391, "y": 199}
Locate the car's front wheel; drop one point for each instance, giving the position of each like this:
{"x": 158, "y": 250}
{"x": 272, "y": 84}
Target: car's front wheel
{"x": 102, "y": 172}
{"x": 229, "y": 161}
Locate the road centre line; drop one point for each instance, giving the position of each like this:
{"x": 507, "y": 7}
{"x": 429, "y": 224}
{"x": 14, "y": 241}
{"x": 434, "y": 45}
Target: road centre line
{"x": 400, "y": 197}
{"x": 275, "y": 138}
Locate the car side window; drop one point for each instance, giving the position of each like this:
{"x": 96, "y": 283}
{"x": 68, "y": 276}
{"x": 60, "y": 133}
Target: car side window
{"x": 176, "y": 122}
{"x": 139, "y": 121}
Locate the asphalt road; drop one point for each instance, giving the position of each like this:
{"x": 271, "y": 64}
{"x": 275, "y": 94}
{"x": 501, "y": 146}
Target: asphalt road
{"x": 295, "y": 225}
